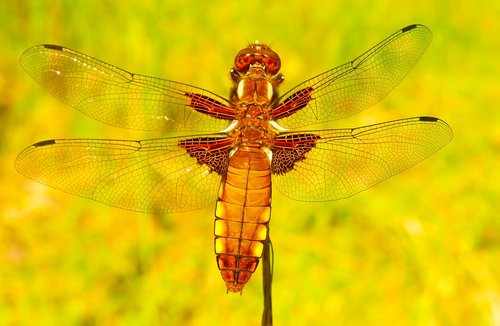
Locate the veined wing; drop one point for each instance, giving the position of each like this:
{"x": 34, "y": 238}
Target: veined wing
{"x": 147, "y": 176}
{"x": 339, "y": 163}
{"x": 357, "y": 85}
{"x": 118, "y": 97}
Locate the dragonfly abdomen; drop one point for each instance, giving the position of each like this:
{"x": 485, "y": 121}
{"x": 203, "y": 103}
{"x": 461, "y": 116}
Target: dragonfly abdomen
{"x": 242, "y": 216}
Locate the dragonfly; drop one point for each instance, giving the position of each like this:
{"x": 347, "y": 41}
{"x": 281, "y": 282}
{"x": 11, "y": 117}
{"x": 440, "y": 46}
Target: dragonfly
{"x": 230, "y": 150}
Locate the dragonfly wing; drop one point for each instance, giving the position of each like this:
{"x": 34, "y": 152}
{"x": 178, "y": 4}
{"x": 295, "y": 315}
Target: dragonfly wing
{"x": 356, "y": 85}
{"x": 120, "y": 98}
{"x": 147, "y": 176}
{"x": 338, "y": 163}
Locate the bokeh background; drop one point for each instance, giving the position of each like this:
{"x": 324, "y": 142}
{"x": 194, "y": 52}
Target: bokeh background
{"x": 422, "y": 248}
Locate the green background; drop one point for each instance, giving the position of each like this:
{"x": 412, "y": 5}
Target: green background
{"x": 423, "y": 248}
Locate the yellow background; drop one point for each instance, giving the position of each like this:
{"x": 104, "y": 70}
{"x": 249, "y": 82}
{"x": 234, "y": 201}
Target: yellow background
{"x": 423, "y": 248}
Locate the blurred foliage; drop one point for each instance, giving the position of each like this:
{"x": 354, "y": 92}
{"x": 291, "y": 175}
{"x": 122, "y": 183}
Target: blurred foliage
{"x": 420, "y": 249}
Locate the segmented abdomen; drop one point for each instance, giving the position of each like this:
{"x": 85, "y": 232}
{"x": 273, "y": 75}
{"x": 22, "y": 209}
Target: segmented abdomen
{"x": 242, "y": 216}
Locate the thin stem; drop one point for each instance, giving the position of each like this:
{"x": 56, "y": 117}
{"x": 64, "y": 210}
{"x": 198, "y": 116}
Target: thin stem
{"x": 267, "y": 279}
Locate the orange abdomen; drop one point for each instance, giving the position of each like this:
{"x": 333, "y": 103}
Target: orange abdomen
{"x": 242, "y": 216}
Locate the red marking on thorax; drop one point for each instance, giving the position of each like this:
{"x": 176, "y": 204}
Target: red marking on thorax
{"x": 211, "y": 107}
{"x": 290, "y": 149}
{"x": 293, "y": 103}
{"x": 211, "y": 151}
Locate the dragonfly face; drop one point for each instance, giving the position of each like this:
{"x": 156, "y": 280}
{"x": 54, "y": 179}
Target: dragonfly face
{"x": 257, "y": 54}
{"x": 236, "y": 146}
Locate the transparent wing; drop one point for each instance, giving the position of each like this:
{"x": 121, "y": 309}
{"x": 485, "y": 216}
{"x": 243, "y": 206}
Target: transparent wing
{"x": 343, "y": 162}
{"x": 147, "y": 176}
{"x": 118, "y": 97}
{"x": 356, "y": 85}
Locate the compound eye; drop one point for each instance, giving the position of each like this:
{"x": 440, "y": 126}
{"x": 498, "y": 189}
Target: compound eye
{"x": 243, "y": 61}
{"x": 273, "y": 64}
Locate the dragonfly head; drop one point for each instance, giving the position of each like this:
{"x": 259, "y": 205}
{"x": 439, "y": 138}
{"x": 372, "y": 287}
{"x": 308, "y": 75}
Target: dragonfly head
{"x": 257, "y": 53}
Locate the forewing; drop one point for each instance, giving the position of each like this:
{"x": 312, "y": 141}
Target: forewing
{"x": 343, "y": 162}
{"x": 118, "y": 97}
{"x": 154, "y": 175}
{"x": 356, "y": 85}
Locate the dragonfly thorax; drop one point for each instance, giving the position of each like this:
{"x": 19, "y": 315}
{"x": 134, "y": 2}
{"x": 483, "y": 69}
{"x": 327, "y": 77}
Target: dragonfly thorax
{"x": 253, "y": 127}
{"x": 255, "y": 90}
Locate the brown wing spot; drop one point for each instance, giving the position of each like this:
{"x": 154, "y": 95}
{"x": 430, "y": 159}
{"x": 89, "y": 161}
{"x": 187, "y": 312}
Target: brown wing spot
{"x": 293, "y": 103}
{"x": 428, "y": 119}
{"x": 45, "y": 143}
{"x": 409, "y": 28}
{"x": 290, "y": 149}
{"x": 53, "y": 47}
{"x": 211, "y": 151}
